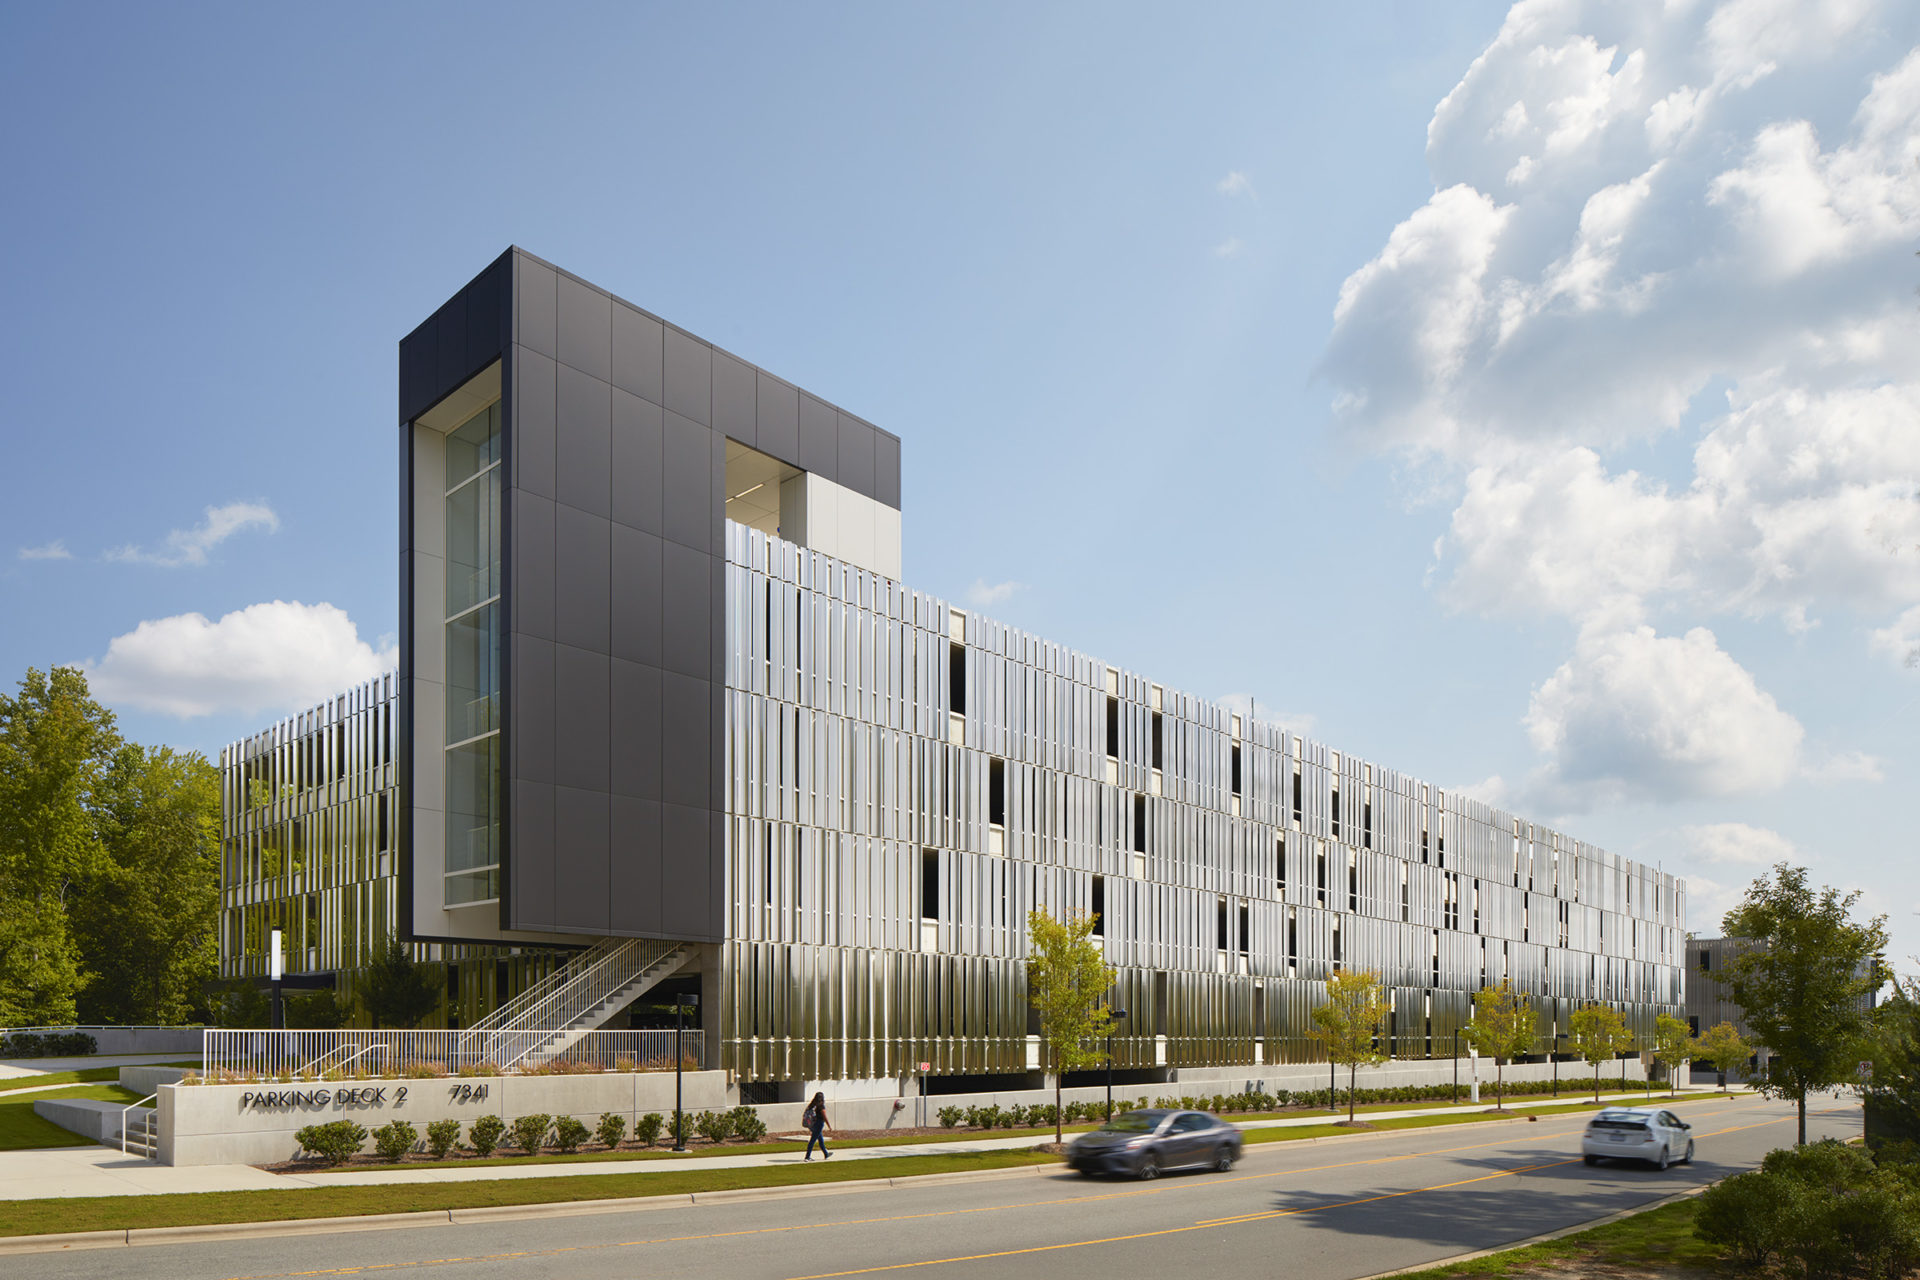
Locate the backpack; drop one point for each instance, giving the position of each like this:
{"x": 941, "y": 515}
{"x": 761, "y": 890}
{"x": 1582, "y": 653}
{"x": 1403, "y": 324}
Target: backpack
{"x": 809, "y": 1117}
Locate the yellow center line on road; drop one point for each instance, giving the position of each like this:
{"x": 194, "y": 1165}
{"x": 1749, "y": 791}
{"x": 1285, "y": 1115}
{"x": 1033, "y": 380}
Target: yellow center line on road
{"x": 1229, "y": 1222}
{"x": 1160, "y": 1189}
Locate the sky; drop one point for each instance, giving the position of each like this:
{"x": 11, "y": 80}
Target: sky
{"x": 1526, "y": 399}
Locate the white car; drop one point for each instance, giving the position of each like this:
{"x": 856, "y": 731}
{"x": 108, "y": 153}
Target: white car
{"x": 1651, "y": 1134}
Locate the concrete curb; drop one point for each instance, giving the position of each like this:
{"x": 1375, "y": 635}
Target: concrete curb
{"x": 1542, "y": 1238}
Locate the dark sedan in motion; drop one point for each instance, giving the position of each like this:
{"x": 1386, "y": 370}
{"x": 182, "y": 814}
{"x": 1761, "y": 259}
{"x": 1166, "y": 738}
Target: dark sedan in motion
{"x": 1143, "y": 1143}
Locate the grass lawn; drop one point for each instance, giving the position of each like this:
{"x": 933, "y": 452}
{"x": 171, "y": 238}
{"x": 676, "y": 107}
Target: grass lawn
{"x": 46, "y": 1078}
{"x": 22, "y": 1130}
{"x": 33, "y": 1217}
{"x": 1661, "y": 1240}
{"x": 82, "y": 1075}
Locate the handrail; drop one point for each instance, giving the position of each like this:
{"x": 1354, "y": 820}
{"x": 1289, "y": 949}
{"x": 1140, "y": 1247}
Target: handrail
{"x": 590, "y": 998}
{"x": 152, "y": 1097}
{"x": 589, "y": 988}
{"x": 559, "y": 977}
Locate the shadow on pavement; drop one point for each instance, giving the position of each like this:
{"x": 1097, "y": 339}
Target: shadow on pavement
{"x": 1500, "y": 1210}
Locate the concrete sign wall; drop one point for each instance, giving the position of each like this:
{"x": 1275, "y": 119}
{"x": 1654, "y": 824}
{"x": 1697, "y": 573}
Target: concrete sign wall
{"x": 256, "y": 1123}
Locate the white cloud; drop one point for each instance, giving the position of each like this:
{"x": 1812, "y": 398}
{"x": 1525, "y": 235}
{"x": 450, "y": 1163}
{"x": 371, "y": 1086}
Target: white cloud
{"x": 1235, "y": 183}
{"x": 1637, "y": 716}
{"x": 1709, "y": 899}
{"x": 190, "y": 546}
{"x": 1231, "y": 247}
{"x": 275, "y": 656}
{"x": 1733, "y": 849}
{"x": 987, "y": 595}
{"x": 1739, "y": 844}
{"x": 1900, "y": 641}
{"x": 1846, "y": 766}
{"x": 55, "y": 550}
{"x": 1635, "y": 204}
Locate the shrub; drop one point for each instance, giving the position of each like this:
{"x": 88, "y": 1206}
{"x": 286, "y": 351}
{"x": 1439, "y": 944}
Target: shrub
{"x": 422, "y": 1070}
{"x": 530, "y": 1132}
{"x": 485, "y": 1134}
{"x": 713, "y": 1126}
{"x": 611, "y": 1130}
{"x": 568, "y": 1134}
{"x": 335, "y": 1143}
{"x": 647, "y": 1127}
{"x": 442, "y": 1137}
{"x": 950, "y": 1117}
{"x": 474, "y": 1069}
{"x": 681, "y": 1128}
{"x": 1013, "y": 1117}
{"x": 394, "y": 1139}
{"x": 747, "y": 1124}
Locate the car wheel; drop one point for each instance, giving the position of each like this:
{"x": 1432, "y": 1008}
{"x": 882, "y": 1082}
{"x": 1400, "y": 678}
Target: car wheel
{"x": 1147, "y": 1170}
{"x": 1591, "y": 1160}
{"x": 1223, "y": 1158}
{"x": 1664, "y": 1158}
{"x": 1688, "y": 1158}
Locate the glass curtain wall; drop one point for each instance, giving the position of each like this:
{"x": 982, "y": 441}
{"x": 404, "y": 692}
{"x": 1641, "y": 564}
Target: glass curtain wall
{"x": 473, "y": 659}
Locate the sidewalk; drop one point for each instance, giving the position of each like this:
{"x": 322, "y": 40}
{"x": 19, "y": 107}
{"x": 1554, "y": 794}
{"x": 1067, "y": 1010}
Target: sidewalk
{"x": 101, "y": 1171}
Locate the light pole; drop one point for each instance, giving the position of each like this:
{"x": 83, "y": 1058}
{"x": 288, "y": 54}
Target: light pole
{"x": 1456, "y": 1065}
{"x": 1113, "y": 1015}
{"x": 276, "y": 970}
{"x": 680, "y": 1006}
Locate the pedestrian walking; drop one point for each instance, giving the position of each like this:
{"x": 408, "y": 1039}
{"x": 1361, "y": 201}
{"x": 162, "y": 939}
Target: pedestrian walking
{"x": 814, "y": 1121}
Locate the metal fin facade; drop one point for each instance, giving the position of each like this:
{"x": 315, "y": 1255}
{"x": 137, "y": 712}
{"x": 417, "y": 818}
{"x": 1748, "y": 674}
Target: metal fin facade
{"x": 884, "y": 847}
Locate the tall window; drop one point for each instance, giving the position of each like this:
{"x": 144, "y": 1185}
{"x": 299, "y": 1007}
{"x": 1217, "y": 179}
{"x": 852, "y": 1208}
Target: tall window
{"x": 473, "y": 659}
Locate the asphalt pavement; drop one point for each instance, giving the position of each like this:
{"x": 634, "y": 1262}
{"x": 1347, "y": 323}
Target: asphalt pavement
{"x": 1323, "y": 1211}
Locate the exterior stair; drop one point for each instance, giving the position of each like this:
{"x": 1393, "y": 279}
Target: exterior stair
{"x": 141, "y": 1137}
{"x": 549, "y": 1017}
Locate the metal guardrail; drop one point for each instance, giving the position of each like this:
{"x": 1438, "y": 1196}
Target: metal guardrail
{"x": 232, "y": 1055}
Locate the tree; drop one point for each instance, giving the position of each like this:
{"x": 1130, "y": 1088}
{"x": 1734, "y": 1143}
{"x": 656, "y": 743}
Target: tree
{"x": 1802, "y": 981}
{"x": 53, "y": 740}
{"x": 400, "y": 992}
{"x": 1721, "y": 1048}
{"x": 1350, "y": 1022}
{"x": 1672, "y": 1045}
{"x": 145, "y": 920}
{"x": 1503, "y": 1029}
{"x": 1891, "y": 1095}
{"x": 1598, "y": 1034}
{"x": 1067, "y": 983}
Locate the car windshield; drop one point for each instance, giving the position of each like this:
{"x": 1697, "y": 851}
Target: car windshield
{"x": 1133, "y": 1122}
{"x": 1619, "y": 1120}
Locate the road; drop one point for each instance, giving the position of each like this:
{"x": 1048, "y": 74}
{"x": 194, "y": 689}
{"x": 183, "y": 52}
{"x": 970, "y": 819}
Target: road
{"x": 1322, "y": 1211}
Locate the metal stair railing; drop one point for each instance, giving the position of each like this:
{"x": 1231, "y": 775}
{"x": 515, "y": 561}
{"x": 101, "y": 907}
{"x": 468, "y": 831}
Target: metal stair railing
{"x": 532, "y": 1023}
{"x": 154, "y": 1138}
{"x": 544, "y": 988}
{"x": 586, "y": 1004}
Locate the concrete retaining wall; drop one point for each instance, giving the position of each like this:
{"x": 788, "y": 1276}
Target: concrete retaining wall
{"x": 877, "y": 1112}
{"x": 146, "y": 1080}
{"x": 90, "y": 1118}
{"x": 256, "y": 1123}
{"x": 183, "y": 1041}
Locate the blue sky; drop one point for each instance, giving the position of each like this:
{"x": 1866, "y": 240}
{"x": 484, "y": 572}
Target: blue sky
{"x": 1524, "y": 400}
